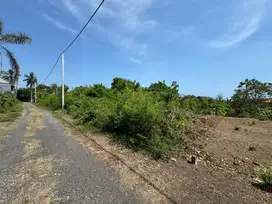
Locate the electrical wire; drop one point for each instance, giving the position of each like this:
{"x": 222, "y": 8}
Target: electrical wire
{"x": 51, "y": 70}
{"x": 80, "y": 32}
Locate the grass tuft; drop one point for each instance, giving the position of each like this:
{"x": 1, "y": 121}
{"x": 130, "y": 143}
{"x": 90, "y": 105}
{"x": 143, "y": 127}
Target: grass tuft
{"x": 12, "y": 114}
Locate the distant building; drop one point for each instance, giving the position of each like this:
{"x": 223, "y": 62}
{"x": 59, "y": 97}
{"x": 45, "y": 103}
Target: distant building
{"x": 5, "y": 86}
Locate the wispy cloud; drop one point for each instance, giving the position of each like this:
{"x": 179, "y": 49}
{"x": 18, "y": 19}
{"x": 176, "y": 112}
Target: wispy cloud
{"x": 121, "y": 22}
{"x": 73, "y": 9}
{"x": 245, "y": 21}
{"x": 58, "y": 23}
{"x": 136, "y": 61}
{"x": 249, "y": 29}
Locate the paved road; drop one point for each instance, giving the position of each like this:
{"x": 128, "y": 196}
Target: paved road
{"x": 39, "y": 163}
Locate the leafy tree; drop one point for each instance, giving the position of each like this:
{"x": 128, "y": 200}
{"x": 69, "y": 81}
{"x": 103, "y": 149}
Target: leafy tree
{"x": 44, "y": 88}
{"x": 78, "y": 91}
{"x": 66, "y": 88}
{"x": 97, "y": 90}
{"x": 167, "y": 93}
{"x": 121, "y": 84}
{"x": 249, "y": 95}
{"x": 30, "y": 80}
{"x": 221, "y": 105}
{"x": 12, "y": 38}
{"x": 191, "y": 103}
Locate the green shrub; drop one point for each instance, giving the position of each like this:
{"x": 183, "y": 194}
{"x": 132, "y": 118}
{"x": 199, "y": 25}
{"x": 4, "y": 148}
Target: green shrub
{"x": 266, "y": 176}
{"x": 205, "y": 105}
{"x": 264, "y": 113}
{"x": 136, "y": 118}
{"x": 50, "y": 101}
{"x": 7, "y": 101}
{"x": 135, "y": 115}
{"x": 92, "y": 111}
{"x": 144, "y": 123}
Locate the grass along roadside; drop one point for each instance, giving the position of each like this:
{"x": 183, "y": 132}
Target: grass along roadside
{"x": 101, "y": 147}
{"x": 12, "y": 114}
{"x": 7, "y": 118}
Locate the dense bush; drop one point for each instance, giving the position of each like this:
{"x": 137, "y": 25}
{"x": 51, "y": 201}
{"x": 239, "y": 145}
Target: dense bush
{"x": 7, "y": 101}
{"x": 266, "y": 177}
{"x": 92, "y": 111}
{"x": 153, "y": 119}
{"x": 51, "y": 101}
{"x": 148, "y": 119}
{"x": 205, "y": 105}
{"x": 136, "y": 118}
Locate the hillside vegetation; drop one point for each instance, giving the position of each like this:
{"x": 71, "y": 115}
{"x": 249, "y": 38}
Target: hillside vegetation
{"x": 154, "y": 119}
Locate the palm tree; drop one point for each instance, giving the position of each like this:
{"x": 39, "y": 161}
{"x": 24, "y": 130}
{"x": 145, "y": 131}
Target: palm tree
{"x": 10, "y": 77}
{"x": 12, "y": 38}
{"x": 30, "y": 80}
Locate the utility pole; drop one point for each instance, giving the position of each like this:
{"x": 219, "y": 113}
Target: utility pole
{"x": 62, "y": 66}
{"x": 35, "y": 99}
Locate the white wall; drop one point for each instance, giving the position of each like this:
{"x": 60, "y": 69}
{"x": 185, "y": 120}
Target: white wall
{"x": 5, "y": 88}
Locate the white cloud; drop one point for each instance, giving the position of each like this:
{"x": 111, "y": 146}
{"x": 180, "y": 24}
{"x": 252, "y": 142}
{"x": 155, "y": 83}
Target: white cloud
{"x": 58, "y": 23}
{"x": 121, "y": 22}
{"x": 245, "y": 21}
{"x": 136, "y": 61}
{"x": 249, "y": 29}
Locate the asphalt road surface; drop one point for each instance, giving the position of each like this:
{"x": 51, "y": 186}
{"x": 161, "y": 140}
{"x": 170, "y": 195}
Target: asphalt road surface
{"x": 40, "y": 163}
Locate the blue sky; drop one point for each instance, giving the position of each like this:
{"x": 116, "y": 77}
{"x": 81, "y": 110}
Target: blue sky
{"x": 208, "y": 47}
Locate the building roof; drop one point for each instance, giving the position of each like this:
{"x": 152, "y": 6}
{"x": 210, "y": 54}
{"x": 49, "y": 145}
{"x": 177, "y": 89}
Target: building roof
{"x": 2, "y": 81}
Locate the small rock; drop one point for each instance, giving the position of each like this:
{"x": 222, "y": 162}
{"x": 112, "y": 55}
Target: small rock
{"x": 257, "y": 180}
{"x": 255, "y": 163}
{"x": 252, "y": 148}
{"x": 173, "y": 159}
{"x": 193, "y": 160}
{"x": 236, "y": 128}
{"x": 237, "y": 161}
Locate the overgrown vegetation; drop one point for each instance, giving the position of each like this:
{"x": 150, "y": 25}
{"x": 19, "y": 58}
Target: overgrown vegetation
{"x": 155, "y": 119}
{"x": 147, "y": 119}
{"x": 7, "y": 101}
{"x": 10, "y": 108}
{"x": 266, "y": 177}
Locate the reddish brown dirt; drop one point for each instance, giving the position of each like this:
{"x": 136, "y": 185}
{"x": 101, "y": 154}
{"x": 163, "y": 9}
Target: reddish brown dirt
{"x": 229, "y": 152}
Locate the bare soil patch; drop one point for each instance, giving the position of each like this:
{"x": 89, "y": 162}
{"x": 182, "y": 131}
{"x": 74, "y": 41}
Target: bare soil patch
{"x": 224, "y": 174}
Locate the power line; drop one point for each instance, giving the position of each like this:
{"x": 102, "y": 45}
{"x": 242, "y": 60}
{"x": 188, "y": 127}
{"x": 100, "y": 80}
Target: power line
{"x": 51, "y": 70}
{"x": 80, "y": 32}
{"x": 84, "y": 26}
